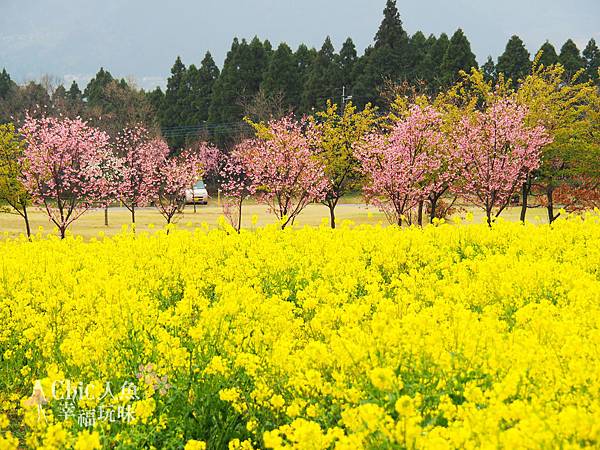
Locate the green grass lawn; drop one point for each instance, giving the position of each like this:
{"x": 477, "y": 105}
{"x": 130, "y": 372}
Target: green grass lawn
{"x": 92, "y": 223}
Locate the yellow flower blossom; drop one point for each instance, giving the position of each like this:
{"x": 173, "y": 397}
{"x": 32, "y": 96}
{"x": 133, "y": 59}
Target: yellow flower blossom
{"x": 216, "y": 366}
{"x": 193, "y": 444}
{"x": 8, "y": 442}
{"x": 447, "y": 336}
{"x": 144, "y": 409}
{"x": 88, "y": 441}
{"x": 382, "y": 378}
{"x": 277, "y": 401}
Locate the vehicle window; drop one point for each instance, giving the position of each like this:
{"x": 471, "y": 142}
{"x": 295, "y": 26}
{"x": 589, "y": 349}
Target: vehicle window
{"x": 199, "y": 185}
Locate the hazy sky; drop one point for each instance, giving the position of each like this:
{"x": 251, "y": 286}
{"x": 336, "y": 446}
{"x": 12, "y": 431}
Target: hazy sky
{"x": 141, "y": 38}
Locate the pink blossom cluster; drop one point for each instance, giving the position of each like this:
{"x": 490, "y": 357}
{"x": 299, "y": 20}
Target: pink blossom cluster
{"x": 141, "y": 158}
{"x": 179, "y": 173}
{"x": 403, "y": 167}
{"x": 210, "y": 157}
{"x": 485, "y": 158}
{"x": 236, "y": 185}
{"x": 497, "y": 151}
{"x": 68, "y": 167}
{"x": 176, "y": 175}
{"x": 282, "y": 169}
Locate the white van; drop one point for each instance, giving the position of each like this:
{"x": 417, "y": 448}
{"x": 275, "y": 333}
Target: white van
{"x": 197, "y": 194}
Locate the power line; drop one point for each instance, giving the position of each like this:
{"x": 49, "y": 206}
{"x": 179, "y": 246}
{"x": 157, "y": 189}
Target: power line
{"x": 212, "y": 128}
{"x": 224, "y": 127}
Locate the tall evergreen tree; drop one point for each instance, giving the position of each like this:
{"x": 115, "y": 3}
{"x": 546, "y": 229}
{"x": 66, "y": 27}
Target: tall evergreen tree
{"x": 304, "y": 57}
{"x": 549, "y": 56}
{"x": 201, "y": 83}
{"x": 240, "y": 80}
{"x": 95, "y": 91}
{"x": 392, "y": 47}
{"x": 458, "y": 57}
{"x": 74, "y": 94}
{"x": 570, "y": 58}
{"x": 156, "y": 99}
{"x": 282, "y": 77}
{"x": 591, "y": 55}
{"x": 225, "y": 100}
{"x": 191, "y": 115}
{"x": 428, "y": 68}
{"x": 368, "y": 79}
{"x": 8, "y": 89}
{"x": 365, "y": 80}
{"x": 175, "y": 108}
{"x": 348, "y": 57}
{"x": 175, "y": 94}
{"x": 389, "y": 59}
{"x": 514, "y": 63}
{"x": 257, "y": 64}
{"x": 324, "y": 78}
{"x": 434, "y": 61}
{"x": 391, "y": 34}
{"x": 17, "y": 101}
{"x": 6, "y": 84}
{"x": 73, "y": 101}
{"x": 113, "y": 104}
{"x": 268, "y": 48}
{"x": 419, "y": 47}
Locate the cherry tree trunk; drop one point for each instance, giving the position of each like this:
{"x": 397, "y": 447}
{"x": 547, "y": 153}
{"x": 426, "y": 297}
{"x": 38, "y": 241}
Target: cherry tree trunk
{"x": 550, "y": 204}
{"x": 420, "y": 214}
{"x": 332, "y": 215}
{"x": 525, "y": 197}
{"x": 27, "y": 225}
{"x": 433, "y": 203}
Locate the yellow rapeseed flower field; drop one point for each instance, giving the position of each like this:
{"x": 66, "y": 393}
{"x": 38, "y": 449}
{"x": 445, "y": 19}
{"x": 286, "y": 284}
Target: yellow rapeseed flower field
{"x": 452, "y": 336}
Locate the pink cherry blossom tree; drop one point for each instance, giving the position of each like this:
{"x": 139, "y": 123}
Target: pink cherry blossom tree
{"x": 141, "y": 158}
{"x": 236, "y": 184}
{"x": 498, "y": 152}
{"x": 179, "y": 173}
{"x": 403, "y": 168}
{"x": 284, "y": 168}
{"x": 68, "y": 167}
{"x": 209, "y": 156}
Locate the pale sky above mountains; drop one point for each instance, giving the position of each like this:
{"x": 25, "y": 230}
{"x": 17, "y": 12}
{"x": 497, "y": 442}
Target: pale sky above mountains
{"x": 71, "y": 39}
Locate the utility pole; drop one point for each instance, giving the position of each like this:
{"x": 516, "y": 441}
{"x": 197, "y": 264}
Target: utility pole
{"x": 345, "y": 99}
